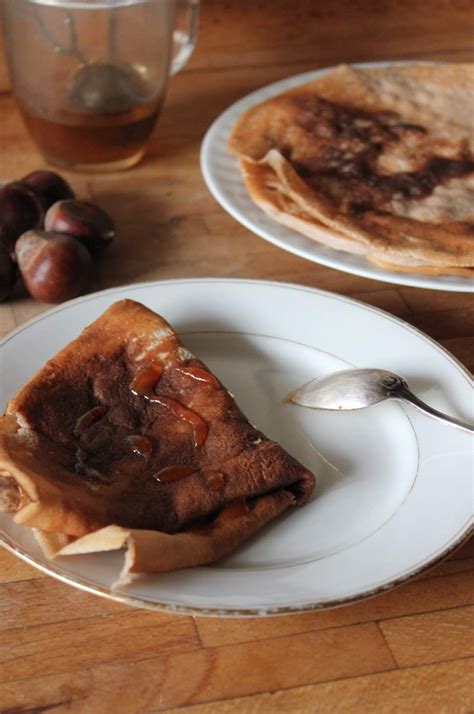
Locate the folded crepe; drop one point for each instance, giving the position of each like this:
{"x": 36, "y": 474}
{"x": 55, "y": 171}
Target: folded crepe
{"x": 125, "y": 438}
{"x": 371, "y": 161}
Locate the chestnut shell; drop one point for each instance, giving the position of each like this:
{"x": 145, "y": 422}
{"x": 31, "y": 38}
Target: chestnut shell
{"x": 54, "y": 267}
{"x": 85, "y": 221}
{"x": 20, "y": 210}
{"x": 8, "y": 272}
{"x": 49, "y": 186}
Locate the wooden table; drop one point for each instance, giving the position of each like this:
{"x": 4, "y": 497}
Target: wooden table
{"x": 405, "y": 651}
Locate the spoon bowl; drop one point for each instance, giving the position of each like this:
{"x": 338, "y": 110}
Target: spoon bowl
{"x": 359, "y": 388}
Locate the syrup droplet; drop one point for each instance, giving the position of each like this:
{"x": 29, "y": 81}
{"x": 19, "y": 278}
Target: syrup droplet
{"x": 141, "y": 446}
{"x": 143, "y": 385}
{"x": 144, "y": 382}
{"x": 235, "y": 509}
{"x": 181, "y": 412}
{"x": 174, "y": 473}
{"x": 215, "y": 479}
{"x": 89, "y": 418}
{"x": 199, "y": 374}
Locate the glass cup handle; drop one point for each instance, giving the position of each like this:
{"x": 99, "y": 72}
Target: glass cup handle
{"x": 184, "y": 33}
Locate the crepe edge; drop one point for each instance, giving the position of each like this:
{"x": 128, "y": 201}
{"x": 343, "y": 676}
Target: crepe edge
{"x": 275, "y": 187}
{"x": 149, "y": 551}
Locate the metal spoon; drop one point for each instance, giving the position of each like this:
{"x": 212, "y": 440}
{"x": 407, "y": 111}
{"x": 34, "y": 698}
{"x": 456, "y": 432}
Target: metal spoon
{"x": 359, "y": 388}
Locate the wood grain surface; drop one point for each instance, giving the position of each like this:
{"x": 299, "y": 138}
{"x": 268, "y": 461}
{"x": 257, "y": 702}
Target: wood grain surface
{"x": 409, "y": 650}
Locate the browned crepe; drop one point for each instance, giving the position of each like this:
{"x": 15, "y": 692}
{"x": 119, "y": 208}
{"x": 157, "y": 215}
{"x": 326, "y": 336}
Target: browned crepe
{"x": 377, "y": 162}
{"x": 80, "y": 481}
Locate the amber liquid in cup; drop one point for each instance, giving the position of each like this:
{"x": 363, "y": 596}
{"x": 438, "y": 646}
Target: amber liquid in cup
{"x": 103, "y": 139}
{"x": 93, "y": 139}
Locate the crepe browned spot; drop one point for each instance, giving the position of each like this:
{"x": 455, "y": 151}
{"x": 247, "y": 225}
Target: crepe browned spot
{"x": 377, "y": 162}
{"x": 126, "y": 438}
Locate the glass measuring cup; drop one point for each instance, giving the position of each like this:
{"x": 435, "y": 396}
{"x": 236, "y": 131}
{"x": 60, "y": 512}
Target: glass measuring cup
{"x": 90, "y": 76}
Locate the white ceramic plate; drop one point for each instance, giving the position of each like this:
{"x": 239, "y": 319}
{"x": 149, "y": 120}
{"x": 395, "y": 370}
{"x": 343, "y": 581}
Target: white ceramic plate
{"x": 393, "y": 492}
{"x": 223, "y": 178}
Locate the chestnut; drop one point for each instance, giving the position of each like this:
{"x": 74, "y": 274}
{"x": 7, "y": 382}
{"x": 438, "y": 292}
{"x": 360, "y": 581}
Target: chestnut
{"x": 48, "y": 186}
{"x": 7, "y": 273}
{"x": 20, "y": 210}
{"x": 54, "y": 267}
{"x": 83, "y": 220}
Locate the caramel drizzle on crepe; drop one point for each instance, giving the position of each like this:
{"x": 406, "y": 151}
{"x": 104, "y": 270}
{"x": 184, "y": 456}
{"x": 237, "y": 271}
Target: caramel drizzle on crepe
{"x": 126, "y": 437}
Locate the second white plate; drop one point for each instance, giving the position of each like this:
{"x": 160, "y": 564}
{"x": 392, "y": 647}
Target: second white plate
{"x": 393, "y": 489}
{"x": 223, "y": 178}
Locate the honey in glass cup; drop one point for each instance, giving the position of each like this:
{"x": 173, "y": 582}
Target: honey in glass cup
{"x": 90, "y": 76}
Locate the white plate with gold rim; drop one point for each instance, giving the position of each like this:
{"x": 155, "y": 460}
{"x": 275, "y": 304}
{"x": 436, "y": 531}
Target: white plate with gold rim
{"x": 224, "y": 180}
{"x": 394, "y": 487}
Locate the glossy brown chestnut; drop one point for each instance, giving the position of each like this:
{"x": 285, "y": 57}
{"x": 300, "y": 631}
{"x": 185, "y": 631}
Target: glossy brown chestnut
{"x": 49, "y": 187}
{"x": 54, "y": 267}
{"x": 20, "y": 210}
{"x": 7, "y": 273}
{"x": 85, "y": 221}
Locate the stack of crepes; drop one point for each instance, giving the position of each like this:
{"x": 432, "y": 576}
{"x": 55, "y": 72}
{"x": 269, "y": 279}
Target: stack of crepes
{"x": 371, "y": 161}
{"x": 126, "y": 439}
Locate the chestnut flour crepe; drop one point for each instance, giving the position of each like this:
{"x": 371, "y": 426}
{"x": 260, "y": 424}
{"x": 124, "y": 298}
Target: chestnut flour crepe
{"x": 126, "y": 439}
{"x": 372, "y": 161}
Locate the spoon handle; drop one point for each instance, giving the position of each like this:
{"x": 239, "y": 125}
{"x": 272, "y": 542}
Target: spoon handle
{"x": 407, "y": 396}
